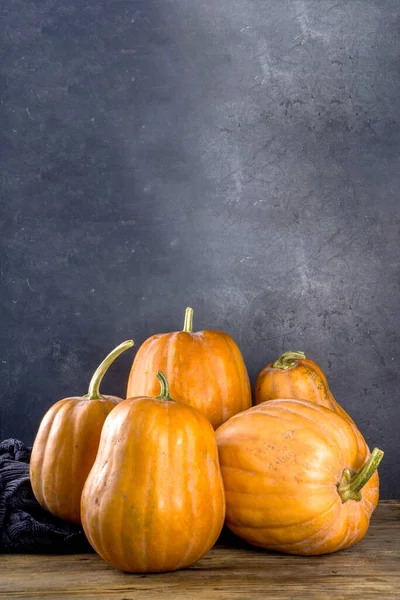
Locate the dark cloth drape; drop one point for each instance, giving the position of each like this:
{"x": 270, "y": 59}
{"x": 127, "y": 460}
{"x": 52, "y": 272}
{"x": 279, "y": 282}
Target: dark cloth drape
{"x": 24, "y": 525}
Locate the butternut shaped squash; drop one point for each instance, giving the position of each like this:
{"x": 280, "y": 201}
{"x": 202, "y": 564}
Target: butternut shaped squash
{"x": 154, "y": 499}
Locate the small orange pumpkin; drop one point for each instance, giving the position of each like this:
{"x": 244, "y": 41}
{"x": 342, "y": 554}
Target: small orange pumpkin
{"x": 154, "y": 499}
{"x": 66, "y": 445}
{"x": 295, "y": 376}
{"x": 297, "y": 478}
{"x": 206, "y": 370}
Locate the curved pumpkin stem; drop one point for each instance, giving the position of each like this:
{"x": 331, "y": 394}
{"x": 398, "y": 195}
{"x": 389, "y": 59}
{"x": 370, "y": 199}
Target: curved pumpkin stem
{"x": 351, "y": 484}
{"x": 164, "y": 393}
{"x": 188, "y": 323}
{"x": 287, "y": 360}
{"x": 94, "y": 386}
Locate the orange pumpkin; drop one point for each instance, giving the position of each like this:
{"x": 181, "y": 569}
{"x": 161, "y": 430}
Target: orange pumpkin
{"x": 297, "y": 478}
{"x": 295, "y": 376}
{"x": 205, "y": 369}
{"x": 154, "y": 499}
{"x": 66, "y": 445}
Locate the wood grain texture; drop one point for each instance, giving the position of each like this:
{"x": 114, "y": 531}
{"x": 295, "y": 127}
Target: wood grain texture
{"x": 229, "y": 571}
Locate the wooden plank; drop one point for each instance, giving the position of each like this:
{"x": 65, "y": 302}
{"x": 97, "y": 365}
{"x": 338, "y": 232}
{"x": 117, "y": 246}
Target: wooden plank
{"x": 228, "y": 572}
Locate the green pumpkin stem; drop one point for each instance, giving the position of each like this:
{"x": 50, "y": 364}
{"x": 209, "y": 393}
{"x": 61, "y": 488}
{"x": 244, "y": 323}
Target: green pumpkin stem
{"x": 188, "y": 323}
{"x": 94, "y": 386}
{"x": 164, "y": 392}
{"x": 287, "y": 360}
{"x": 351, "y": 484}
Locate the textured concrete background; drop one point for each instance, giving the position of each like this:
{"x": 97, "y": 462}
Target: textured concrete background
{"x": 238, "y": 156}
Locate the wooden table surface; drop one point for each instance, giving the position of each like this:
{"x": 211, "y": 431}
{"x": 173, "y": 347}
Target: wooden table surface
{"x": 371, "y": 569}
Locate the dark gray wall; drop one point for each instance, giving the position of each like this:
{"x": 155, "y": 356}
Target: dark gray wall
{"x": 238, "y": 156}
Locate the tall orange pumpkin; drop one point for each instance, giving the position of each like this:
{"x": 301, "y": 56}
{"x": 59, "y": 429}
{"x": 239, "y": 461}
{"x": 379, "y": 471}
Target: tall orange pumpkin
{"x": 66, "y": 445}
{"x": 295, "y": 376}
{"x": 297, "y": 478}
{"x": 154, "y": 499}
{"x": 205, "y": 369}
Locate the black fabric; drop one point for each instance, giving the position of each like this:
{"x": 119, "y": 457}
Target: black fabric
{"x": 24, "y": 525}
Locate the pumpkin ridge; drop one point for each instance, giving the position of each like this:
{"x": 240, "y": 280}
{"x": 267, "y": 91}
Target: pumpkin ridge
{"x": 195, "y": 450}
{"x": 311, "y": 377}
{"x": 129, "y": 473}
{"x": 98, "y": 494}
{"x": 147, "y": 367}
{"x": 322, "y": 541}
{"x": 317, "y": 406}
{"x": 234, "y": 362}
{"x": 355, "y": 431}
{"x": 66, "y": 479}
{"x": 325, "y": 426}
{"x": 277, "y": 493}
{"x": 170, "y": 351}
{"x": 90, "y": 490}
{"x": 289, "y": 525}
{"x": 127, "y": 542}
{"x": 213, "y": 476}
{"x": 202, "y": 367}
{"x": 185, "y": 444}
{"x": 362, "y": 511}
{"x": 147, "y": 370}
{"x": 57, "y": 450}
{"x": 311, "y": 372}
{"x": 219, "y": 383}
{"x": 151, "y": 496}
{"x": 350, "y": 531}
{"x": 256, "y": 473}
{"x": 170, "y": 487}
{"x": 300, "y": 546}
{"x": 74, "y": 473}
{"x": 286, "y": 377}
{"x": 239, "y": 404}
{"x": 290, "y": 420}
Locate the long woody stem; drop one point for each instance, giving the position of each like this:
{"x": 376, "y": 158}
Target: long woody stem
{"x": 188, "y": 323}
{"x": 351, "y": 484}
{"x": 94, "y": 386}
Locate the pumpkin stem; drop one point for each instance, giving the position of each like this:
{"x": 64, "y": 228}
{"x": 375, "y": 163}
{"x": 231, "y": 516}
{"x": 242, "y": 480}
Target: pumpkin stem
{"x": 287, "y": 360}
{"x": 164, "y": 393}
{"x": 94, "y": 386}
{"x": 351, "y": 484}
{"x": 188, "y": 323}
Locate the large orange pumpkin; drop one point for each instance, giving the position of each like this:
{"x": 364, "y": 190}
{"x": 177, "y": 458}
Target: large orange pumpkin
{"x": 66, "y": 445}
{"x": 205, "y": 369}
{"x": 295, "y": 376}
{"x": 154, "y": 499}
{"x": 297, "y": 478}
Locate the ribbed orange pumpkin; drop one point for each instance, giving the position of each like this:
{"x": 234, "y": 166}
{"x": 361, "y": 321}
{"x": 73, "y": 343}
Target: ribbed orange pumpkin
{"x": 297, "y": 478}
{"x": 66, "y": 445}
{"x": 205, "y": 369}
{"x": 295, "y": 376}
{"x": 154, "y": 499}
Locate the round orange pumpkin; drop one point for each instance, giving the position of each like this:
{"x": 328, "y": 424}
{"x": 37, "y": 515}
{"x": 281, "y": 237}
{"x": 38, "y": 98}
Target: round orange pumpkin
{"x": 66, "y": 445}
{"x": 297, "y": 478}
{"x": 154, "y": 499}
{"x": 205, "y": 369}
{"x": 295, "y": 376}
